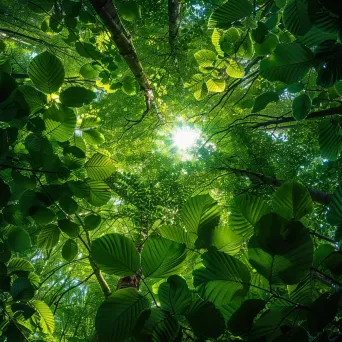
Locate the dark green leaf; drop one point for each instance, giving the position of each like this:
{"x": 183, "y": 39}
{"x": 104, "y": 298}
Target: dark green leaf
{"x": 76, "y": 96}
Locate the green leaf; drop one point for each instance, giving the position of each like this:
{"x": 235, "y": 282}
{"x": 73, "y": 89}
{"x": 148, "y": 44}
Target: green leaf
{"x": 60, "y": 122}
{"x": 289, "y": 63}
{"x": 292, "y": 200}
{"x": 201, "y": 216}
{"x": 117, "y": 315}
{"x": 35, "y": 99}
{"x": 18, "y": 265}
{"x": 294, "y": 257}
{"x": 330, "y": 139}
{"x": 98, "y": 192}
{"x": 68, "y": 227}
{"x": 156, "y": 325}
{"x": 25, "y": 310}
{"x": 76, "y": 96}
{"x": 115, "y": 254}
{"x": 205, "y": 58}
{"x": 22, "y": 289}
{"x": 130, "y": 10}
{"x": 99, "y": 167}
{"x": 89, "y": 71}
{"x": 241, "y": 322}
{"x": 205, "y": 319}
{"x": 301, "y": 106}
{"x": 7, "y": 85}
{"x": 42, "y": 215}
{"x": 161, "y": 258}
{"x": 68, "y": 204}
{"x": 48, "y": 237}
{"x": 216, "y": 85}
{"x": 335, "y": 205}
{"x": 45, "y": 317}
{"x": 40, "y": 6}
{"x": 129, "y": 85}
{"x": 46, "y": 72}
{"x": 315, "y": 37}
{"x": 92, "y": 221}
{"x": 5, "y": 191}
{"x": 93, "y": 136}
{"x": 230, "y": 41}
{"x": 245, "y": 213}
{"x": 229, "y": 12}
{"x": 174, "y": 295}
{"x": 197, "y": 86}
{"x": 215, "y": 39}
{"x": 69, "y": 250}
{"x": 235, "y": 70}
{"x": 322, "y": 312}
{"x": 178, "y": 234}
{"x": 221, "y": 278}
{"x": 296, "y": 17}
{"x": 18, "y": 239}
{"x": 88, "y": 51}
{"x": 267, "y": 46}
{"x": 263, "y": 100}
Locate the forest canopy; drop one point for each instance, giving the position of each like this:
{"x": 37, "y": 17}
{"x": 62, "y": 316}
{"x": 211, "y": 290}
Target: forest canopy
{"x": 170, "y": 170}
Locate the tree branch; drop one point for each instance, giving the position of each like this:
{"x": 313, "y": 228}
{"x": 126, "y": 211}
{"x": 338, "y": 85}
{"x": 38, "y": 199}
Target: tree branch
{"x": 174, "y": 10}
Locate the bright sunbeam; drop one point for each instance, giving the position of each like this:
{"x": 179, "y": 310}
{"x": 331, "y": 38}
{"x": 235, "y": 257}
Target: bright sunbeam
{"x": 184, "y": 138}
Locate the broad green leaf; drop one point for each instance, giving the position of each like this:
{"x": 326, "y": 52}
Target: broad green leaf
{"x": 330, "y": 139}
{"x": 89, "y": 71}
{"x": 7, "y": 85}
{"x": 130, "y": 10}
{"x": 305, "y": 292}
{"x": 223, "y": 275}
{"x": 98, "y": 192}
{"x": 245, "y": 213}
{"x": 93, "y": 136}
{"x": 315, "y": 37}
{"x": 48, "y": 236}
{"x": 267, "y": 46}
{"x": 225, "y": 240}
{"x": 178, "y": 234}
{"x": 46, "y": 72}
{"x": 201, "y": 216}
{"x": 60, "y": 122}
{"x": 289, "y": 63}
{"x": 22, "y": 289}
{"x": 197, "y": 86}
{"x": 338, "y": 87}
{"x": 230, "y": 41}
{"x": 174, "y": 295}
{"x": 294, "y": 260}
{"x": 42, "y": 215}
{"x": 205, "y": 58}
{"x": 129, "y": 85}
{"x": 161, "y": 258}
{"x": 205, "y": 319}
{"x": 18, "y": 265}
{"x": 115, "y": 254}
{"x": 40, "y": 6}
{"x": 18, "y": 239}
{"x": 322, "y": 312}
{"x": 99, "y": 167}
{"x": 118, "y": 314}
{"x": 241, "y": 322}
{"x": 264, "y": 99}
{"x": 156, "y": 325}
{"x": 26, "y": 310}
{"x": 76, "y": 96}
{"x": 235, "y": 70}
{"x": 5, "y": 191}
{"x": 215, "y": 39}
{"x": 296, "y": 17}
{"x": 92, "y": 221}
{"x": 35, "y": 99}
{"x": 69, "y": 250}
{"x": 68, "y": 204}
{"x": 335, "y": 213}
{"x": 301, "y": 106}
{"x": 69, "y": 227}
{"x": 88, "y": 50}
{"x": 229, "y": 12}
{"x": 44, "y": 317}
{"x": 292, "y": 200}
{"x": 216, "y": 85}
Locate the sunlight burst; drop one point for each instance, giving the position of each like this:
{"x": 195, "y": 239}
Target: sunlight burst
{"x": 185, "y": 138}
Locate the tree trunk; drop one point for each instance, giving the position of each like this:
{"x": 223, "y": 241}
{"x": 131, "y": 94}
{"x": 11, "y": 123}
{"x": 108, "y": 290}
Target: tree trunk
{"x": 122, "y": 39}
{"x": 174, "y": 10}
{"x": 311, "y": 116}
{"x": 316, "y": 195}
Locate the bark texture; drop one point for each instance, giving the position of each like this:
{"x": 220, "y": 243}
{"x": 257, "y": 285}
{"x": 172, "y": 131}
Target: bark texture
{"x": 174, "y": 11}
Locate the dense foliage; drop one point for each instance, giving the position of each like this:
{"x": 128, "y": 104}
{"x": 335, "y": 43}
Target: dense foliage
{"x": 170, "y": 170}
